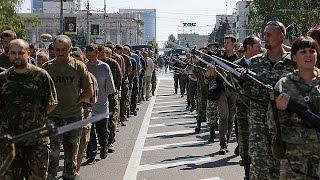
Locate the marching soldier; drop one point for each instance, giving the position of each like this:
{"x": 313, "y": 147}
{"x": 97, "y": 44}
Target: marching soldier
{"x": 252, "y": 47}
{"x": 301, "y": 141}
{"x": 273, "y": 64}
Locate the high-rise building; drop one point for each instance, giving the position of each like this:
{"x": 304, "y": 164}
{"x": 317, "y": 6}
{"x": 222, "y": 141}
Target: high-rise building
{"x": 241, "y": 19}
{"x": 148, "y": 17}
{"x": 37, "y": 6}
{"x": 53, "y": 6}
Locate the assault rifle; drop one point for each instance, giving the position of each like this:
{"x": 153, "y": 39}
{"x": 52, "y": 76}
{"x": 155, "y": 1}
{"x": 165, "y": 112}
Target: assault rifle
{"x": 45, "y": 131}
{"x": 304, "y": 112}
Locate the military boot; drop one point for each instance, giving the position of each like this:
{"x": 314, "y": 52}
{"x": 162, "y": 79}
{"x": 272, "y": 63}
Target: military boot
{"x": 198, "y": 128}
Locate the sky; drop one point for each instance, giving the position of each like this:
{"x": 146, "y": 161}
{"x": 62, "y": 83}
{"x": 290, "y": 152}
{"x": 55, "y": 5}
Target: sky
{"x": 170, "y": 13}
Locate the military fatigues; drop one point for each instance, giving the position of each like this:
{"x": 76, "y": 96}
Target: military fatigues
{"x": 87, "y": 112}
{"x": 202, "y": 89}
{"x": 24, "y": 98}
{"x": 242, "y": 109}
{"x": 124, "y": 100}
{"x": 154, "y": 81}
{"x": 5, "y": 61}
{"x": 114, "y": 103}
{"x": 177, "y": 73}
{"x": 70, "y": 79}
{"x": 263, "y": 166}
{"x": 301, "y": 141}
{"x": 212, "y": 114}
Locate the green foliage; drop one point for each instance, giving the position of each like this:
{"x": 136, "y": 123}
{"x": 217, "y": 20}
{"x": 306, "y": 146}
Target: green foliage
{"x": 217, "y": 35}
{"x": 10, "y": 20}
{"x": 173, "y": 39}
{"x": 303, "y": 13}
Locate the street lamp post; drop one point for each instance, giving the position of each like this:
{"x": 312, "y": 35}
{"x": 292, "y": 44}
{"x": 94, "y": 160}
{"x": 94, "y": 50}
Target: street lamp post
{"x": 88, "y": 24}
{"x": 61, "y": 16}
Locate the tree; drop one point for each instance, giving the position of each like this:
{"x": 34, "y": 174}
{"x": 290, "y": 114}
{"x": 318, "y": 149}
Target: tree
{"x": 10, "y": 20}
{"x": 217, "y": 35}
{"x": 172, "y": 39}
{"x": 302, "y": 13}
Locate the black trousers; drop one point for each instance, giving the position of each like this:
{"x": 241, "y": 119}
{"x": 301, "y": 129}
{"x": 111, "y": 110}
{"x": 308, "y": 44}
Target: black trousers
{"x": 99, "y": 129}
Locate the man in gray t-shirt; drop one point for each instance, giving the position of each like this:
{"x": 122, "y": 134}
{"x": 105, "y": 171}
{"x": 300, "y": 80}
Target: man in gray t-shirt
{"x": 106, "y": 85}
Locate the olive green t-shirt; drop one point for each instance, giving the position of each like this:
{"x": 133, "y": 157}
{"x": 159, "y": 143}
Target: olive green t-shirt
{"x": 70, "y": 79}
{"x": 5, "y": 61}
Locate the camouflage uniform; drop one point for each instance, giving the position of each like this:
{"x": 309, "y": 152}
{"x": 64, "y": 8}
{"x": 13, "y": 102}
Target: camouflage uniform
{"x": 5, "y": 61}
{"x": 302, "y": 155}
{"x": 242, "y": 109}
{"x": 24, "y": 110}
{"x": 202, "y": 89}
{"x": 263, "y": 165}
{"x": 212, "y": 112}
{"x": 124, "y": 100}
{"x": 114, "y": 104}
{"x": 87, "y": 112}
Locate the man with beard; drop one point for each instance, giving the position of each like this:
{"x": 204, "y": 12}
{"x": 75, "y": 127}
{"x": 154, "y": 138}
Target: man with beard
{"x": 106, "y": 86}
{"x": 273, "y": 65}
{"x": 74, "y": 85}
{"x": 25, "y": 110}
{"x": 6, "y": 37}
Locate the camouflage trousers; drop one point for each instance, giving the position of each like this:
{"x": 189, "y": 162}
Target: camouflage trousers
{"x": 202, "y": 105}
{"x": 301, "y": 163}
{"x": 263, "y": 165}
{"x": 113, "y": 119}
{"x": 153, "y": 82}
{"x": 243, "y": 133}
{"x": 70, "y": 142}
{"x": 124, "y": 101}
{"x": 212, "y": 112}
{"x": 31, "y": 162}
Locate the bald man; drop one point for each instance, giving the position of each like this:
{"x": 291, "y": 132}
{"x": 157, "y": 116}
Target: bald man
{"x": 74, "y": 86}
{"x": 24, "y": 110}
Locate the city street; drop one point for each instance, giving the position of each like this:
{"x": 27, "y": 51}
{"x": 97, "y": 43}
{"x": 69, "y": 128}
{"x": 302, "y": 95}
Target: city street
{"x": 160, "y": 143}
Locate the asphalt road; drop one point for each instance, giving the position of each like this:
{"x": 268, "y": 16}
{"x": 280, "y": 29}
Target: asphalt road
{"x": 160, "y": 144}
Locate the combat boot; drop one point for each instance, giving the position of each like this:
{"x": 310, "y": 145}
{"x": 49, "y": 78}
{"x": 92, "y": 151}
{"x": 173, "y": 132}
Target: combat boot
{"x": 223, "y": 149}
{"x": 212, "y": 133}
{"x": 198, "y": 128}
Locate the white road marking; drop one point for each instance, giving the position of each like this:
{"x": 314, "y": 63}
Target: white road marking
{"x": 173, "y": 163}
{"x": 134, "y": 162}
{"x": 172, "y": 124}
{"x": 170, "y": 133}
{"x": 174, "y": 145}
{"x": 212, "y": 178}
{"x": 180, "y": 116}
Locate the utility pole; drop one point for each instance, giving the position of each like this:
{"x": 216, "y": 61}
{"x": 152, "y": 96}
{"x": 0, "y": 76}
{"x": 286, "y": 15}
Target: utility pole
{"x": 88, "y": 24}
{"x": 61, "y": 16}
{"x": 105, "y": 20}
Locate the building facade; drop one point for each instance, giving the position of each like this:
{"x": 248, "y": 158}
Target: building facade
{"x": 37, "y": 6}
{"x": 148, "y": 17}
{"x": 118, "y": 28}
{"x": 53, "y": 6}
{"x": 241, "y": 19}
{"x": 193, "y": 40}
